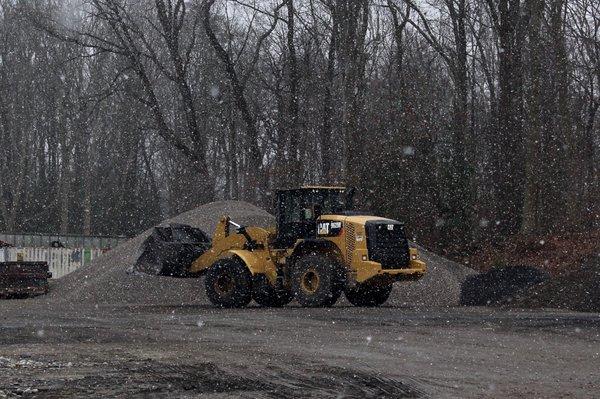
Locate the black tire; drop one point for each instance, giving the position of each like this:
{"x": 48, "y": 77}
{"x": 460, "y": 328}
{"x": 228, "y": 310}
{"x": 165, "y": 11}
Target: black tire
{"x": 229, "y": 283}
{"x": 266, "y": 295}
{"x": 317, "y": 280}
{"x": 368, "y": 294}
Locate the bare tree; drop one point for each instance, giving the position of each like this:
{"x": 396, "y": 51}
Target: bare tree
{"x": 452, "y": 48}
{"x": 469, "y": 119}
{"x": 254, "y": 172}
{"x": 584, "y": 30}
{"x": 159, "y": 42}
{"x": 509, "y": 21}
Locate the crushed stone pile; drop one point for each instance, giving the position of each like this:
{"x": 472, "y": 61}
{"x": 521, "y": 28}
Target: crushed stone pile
{"x": 439, "y": 287}
{"x": 574, "y": 291}
{"x": 106, "y": 280}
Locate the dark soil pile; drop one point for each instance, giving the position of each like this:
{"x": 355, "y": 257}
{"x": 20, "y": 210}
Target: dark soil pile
{"x": 499, "y": 284}
{"x": 579, "y": 290}
{"x": 106, "y": 279}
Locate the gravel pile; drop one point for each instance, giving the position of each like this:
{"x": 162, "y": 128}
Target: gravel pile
{"x": 439, "y": 287}
{"x": 106, "y": 281}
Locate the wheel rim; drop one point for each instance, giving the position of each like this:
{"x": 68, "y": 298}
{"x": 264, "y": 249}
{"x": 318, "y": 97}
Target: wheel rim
{"x": 310, "y": 281}
{"x": 224, "y": 284}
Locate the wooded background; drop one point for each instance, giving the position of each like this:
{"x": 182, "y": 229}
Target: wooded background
{"x": 470, "y": 120}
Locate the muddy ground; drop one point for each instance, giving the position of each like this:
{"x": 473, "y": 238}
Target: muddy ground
{"x": 343, "y": 352}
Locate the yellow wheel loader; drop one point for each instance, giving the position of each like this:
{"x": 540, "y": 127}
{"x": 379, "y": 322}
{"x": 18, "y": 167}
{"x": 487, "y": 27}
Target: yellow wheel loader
{"x": 320, "y": 248}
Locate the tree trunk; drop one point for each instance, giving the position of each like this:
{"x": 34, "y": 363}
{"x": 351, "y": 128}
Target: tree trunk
{"x": 508, "y": 164}
{"x": 458, "y": 228}
{"x": 327, "y": 128}
{"x": 533, "y": 166}
{"x": 64, "y": 189}
{"x": 253, "y": 173}
{"x": 354, "y": 19}
{"x": 295, "y": 165}
{"x": 557, "y": 210}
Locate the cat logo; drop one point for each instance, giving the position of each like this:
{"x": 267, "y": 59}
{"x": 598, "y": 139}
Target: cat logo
{"x": 323, "y": 228}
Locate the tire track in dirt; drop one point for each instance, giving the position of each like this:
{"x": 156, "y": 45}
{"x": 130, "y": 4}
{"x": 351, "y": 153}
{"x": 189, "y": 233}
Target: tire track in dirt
{"x": 147, "y": 378}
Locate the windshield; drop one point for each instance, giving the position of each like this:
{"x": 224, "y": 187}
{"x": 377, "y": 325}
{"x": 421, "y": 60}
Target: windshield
{"x": 331, "y": 201}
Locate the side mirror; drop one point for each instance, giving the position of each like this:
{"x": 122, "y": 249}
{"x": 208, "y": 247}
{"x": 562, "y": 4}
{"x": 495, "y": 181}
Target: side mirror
{"x": 308, "y": 214}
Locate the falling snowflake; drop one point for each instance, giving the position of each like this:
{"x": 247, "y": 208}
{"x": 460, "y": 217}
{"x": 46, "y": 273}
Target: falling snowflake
{"x": 408, "y": 150}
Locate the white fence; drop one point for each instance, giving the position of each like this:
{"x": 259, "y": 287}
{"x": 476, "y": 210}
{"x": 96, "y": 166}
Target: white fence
{"x": 61, "y": 261}
{"x": 26, "y": 240}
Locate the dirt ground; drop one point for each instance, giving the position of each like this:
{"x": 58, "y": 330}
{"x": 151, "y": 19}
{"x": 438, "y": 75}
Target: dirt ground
{"x": 104, "y": 332}
{"x": 196, "y": 351}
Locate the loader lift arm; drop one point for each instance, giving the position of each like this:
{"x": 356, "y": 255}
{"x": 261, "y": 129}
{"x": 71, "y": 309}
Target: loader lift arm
{"x": 251, "y": 243}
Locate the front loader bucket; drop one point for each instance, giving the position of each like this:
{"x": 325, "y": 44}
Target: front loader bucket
{"x": 169, "y": 251}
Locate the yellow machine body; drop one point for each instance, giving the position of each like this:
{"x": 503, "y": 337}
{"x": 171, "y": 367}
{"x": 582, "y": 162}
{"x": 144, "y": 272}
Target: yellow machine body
{"x": 227, "y": 244}
{"x": 349, "y": 246}
{"x": 352, "y": 245}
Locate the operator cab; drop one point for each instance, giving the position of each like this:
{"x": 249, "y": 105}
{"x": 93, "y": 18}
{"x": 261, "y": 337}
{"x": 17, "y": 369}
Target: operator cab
{"x": 298, "y": 210}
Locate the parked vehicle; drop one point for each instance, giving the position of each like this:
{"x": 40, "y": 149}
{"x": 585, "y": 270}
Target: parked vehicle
{"x": 23, "y": 279}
